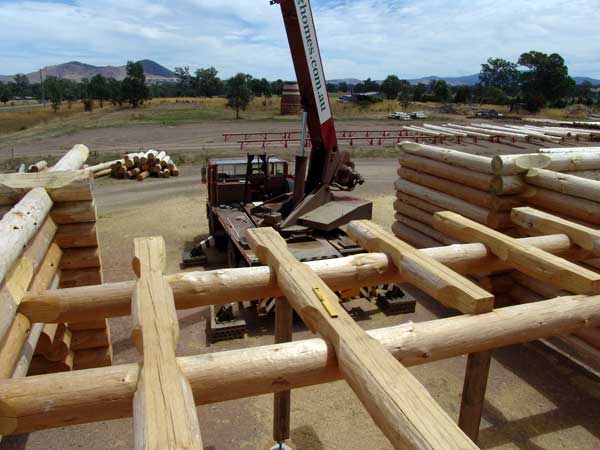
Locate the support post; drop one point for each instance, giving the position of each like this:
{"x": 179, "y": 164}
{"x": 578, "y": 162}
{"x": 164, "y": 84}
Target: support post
{"x": 284, "y": 315}
{"x": 473, "y": 395}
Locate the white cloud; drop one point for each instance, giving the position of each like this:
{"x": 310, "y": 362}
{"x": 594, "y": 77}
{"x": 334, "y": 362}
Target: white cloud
{"x": 358, "y": 38}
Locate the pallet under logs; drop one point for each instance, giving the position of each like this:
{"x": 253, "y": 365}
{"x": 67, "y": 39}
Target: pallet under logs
{"x": 75, "y": 253}
{"x": 346, "y": 352}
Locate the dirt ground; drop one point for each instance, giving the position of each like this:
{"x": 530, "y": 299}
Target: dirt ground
{"x": 536, "y": 399}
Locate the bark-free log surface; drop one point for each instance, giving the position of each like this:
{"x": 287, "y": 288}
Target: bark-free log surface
{"x": 194, "y": 289}
{"x": 34, "y": 403}
{"x": 413, "y": 237}
{"x": 466, "y": 160}
{"x": 77, "y": 235}
{"x": 565, "y": 205}
{"x": 164, "y": 410}
{"x": 73, "y": 159}
{"x": 397, "y": 402}
{"x": 74, "y": 212}
{"x": 420, "y": 270}
{"x": 528, "y": 259}
{"x": 565, "y": 184}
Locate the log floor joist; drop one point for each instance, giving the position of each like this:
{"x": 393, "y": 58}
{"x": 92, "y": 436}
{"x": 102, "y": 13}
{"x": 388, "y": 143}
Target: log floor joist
{"x": 160, "y": 393}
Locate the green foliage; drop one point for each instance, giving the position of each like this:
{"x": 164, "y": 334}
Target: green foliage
{"x": 492, "y": 95}
{"x": 259, "y": 87}
{"x": 185, "y": 82}
{"x": 392, "y": 86}
{"x": 239, "y": 93}
{"x": 440, "y": 91}
{"x": 54, "y": 91}
{"x": 366, "y": 86}
{"x": 501, "y": 74}
{"x": 134, "y": 87}
{"x": 547, "y": 78}
{"x": 208, "y": 83}
{"x": 4, "y": 93}
{"x": 277, "y": 87}
{"x": 419, "y": 92}
{"x": 98, "y": 89}
{"x": 463, "y": 94}
{"x": 115, "y": 92}
{"x": 343, "y": 87}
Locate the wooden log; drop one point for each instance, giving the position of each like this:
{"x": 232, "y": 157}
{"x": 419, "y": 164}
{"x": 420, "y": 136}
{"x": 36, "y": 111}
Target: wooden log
{"x": 569, "y": 162}
{"x": 413, "y": 237}
{"x": 473, "y": 395}
{"x": 564, "y": 184}
{"x": 194, "y": 289}
{"x": 516, "y": 164}
{"x": 86, "y": 339}
{"x": 474, "y": 196}
{"x": 46, "y": 338}
{"x": 446, "y": 130}
{"x": 39, "y": 166}
{"x": 93, "y": 358}
{"x": 414, "y": 213}
{"x": 74, "y": 212}
{"x": 80, "y": 277}
{"x": 61, "y": 345}
{"x": 565, "y": 205}
{"x": 284, "y": 318}
{"x": 525, "y": 258}
{"x": 103, "y": 173}
{"x": 425, "y": 229}
{"x": 73, "y": 159}
{"x": 542, "y": 222}
{"x": 166, "y": 173}
{"x": 135, "y": 172}
{"x": 17, "y": 228}
{"x": 143, "y": 175}
{"x": 422, "y": 271}
{"x": 41, "y": 365}
{"x": 10, "y": 346}
{"x": 104, "y": 394}
{"x": 77, "y": 235}
{"x": 415, "y": 202}
{"x": 449, "y": 202}
{"x": 470, "y": 130}
{"x": 102, "y": 167}
{"x": 570, "y": 149}
{"x": 164, "y": 411}
{"x": 80, "y": 258}
{"x": 510, "y": 184}
{"x": 466, "y": 160}
{"x": 60, "y": 186}
{"x": 98, "y": 324}
{"x": 403, "y": 410}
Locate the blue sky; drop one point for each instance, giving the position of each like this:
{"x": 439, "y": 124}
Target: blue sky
{"x": 358, "y": 38}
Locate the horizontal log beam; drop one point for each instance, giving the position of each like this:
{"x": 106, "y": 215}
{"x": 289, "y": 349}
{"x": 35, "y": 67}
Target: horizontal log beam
{"x": 35, "y": 403}
{"x": 194, "y": 289}
{"x": 61, "y": 186}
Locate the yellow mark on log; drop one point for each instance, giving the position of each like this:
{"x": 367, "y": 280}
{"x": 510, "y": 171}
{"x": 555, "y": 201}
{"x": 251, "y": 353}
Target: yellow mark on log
{"x": 325, "y": 302}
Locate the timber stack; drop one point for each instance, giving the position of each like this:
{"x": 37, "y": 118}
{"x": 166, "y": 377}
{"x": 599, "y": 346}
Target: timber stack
{"x": 433, "y": 179}
{"x": 138, "y": 166}
{"x": 63, "y": 247}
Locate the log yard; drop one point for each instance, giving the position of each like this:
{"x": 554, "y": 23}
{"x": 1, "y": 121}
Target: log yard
{"x": 302, "y": 264}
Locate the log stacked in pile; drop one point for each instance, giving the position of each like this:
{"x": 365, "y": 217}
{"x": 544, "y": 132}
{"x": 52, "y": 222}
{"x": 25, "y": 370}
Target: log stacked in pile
{"x": 138, "y": 166}
{"x": 72, "y": 258}
{"x": 435, "y": 179}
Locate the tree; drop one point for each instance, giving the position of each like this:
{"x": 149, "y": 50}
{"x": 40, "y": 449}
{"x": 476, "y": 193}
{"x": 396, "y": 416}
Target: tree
{"x": 343, "y": 87}
{"x": 115, "y": 92}
{"x": 391, "y": 86}
{"x": 4, "y": 93}
{"x": 547, "y": 79}
{"x": 501, "y": 74}
{"x": 21, "y": 87}
{"x": 419, "y": 92}
{"x": 209, "y": 84}
{"x": 440, "y": 90}
{"x": 463, "y": 94}
{"x": 185, "y": 82}
{"x": 332, "y": 87}
{"x": 239, "y": 93}
{"x": 53, "y": 88}
{"x": 134, "y": 87}
{"x": 98, "y": 89}
{"x": 366, "y": 86}
{"x": 71, "y": 91}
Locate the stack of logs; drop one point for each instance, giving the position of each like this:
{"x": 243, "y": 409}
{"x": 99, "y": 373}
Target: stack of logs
{"x": 138, "y": 166}
{"x": 434, "y": 179}
{"x": 485, "y": 190}
{"x": 66, "y": 250}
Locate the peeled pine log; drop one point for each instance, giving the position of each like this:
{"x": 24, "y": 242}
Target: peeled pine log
{"x": 448, "y": 202}
{"x": 470, "y": 130}
{"x": 445, "y": 130}
{"x": 40, "y": 365}
{"x": 80, "y": 258}
{"x": 77, "y": 235}
{"x": 80, "y": 277}
{"x": 570, "y": 150}
{"x": 98, "y": 324}
{"x": 165, "y": 161}
{"x": 143, "y": 175}
{"x": 557, "y": 162}
{"x": 39, "y": 166}
{"x": 74, "y": 212}
{"x": 46, "y": 338}
{"x": 509, "y": 184}
{"x": 60, "y": 186}
{"x": 475, "y": 196}
{"x": 414, "y": 213}
{"x": 103, "y": 173}
{"x": 108, "y": 393}
{"x": 61, "y": 344}
{"x": 194, "y": 289}
{"x": 564, "y": 184}
{"x": 166, "y": 173}
{"x": 73, "y": 160}
{"x": 413, "y": 237}
{"x": 11, "y": 345}
{"x": 174, "y": 171}
{"x": 88, "y": 339}
{"x": 564, "y": 205}
{"x": 93, "y": 358}
{"x": 426, "y": 230}
{"x": 453, "y": 157}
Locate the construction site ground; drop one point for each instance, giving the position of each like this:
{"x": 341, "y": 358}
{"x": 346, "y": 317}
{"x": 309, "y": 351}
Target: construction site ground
{"x": 536, "y": 399}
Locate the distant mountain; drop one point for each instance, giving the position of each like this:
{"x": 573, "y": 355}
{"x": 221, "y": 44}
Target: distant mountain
{"x": 77, "y": 71}
{"x": 351, "y": 81}
{"x": 580, "y": 80}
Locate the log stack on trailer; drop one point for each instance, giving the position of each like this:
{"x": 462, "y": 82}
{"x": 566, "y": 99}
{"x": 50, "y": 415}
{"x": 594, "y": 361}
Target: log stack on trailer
{"x": 67, "y": 255}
